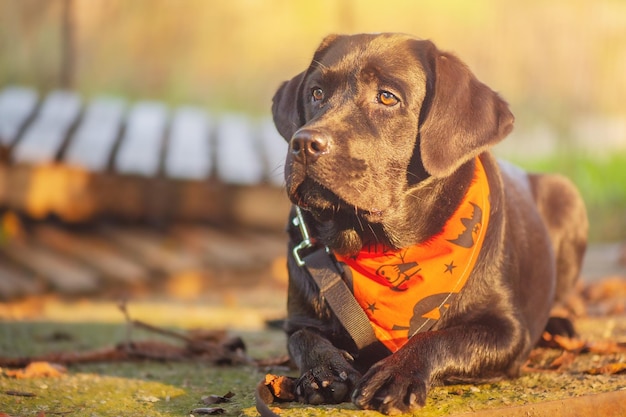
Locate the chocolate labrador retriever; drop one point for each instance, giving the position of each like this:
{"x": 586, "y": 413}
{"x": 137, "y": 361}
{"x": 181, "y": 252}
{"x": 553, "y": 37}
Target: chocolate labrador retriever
{"x": 455, "y": 258}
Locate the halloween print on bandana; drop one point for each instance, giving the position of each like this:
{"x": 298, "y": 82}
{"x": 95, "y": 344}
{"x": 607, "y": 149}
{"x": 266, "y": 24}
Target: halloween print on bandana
{"x": 405, "y": 291}
{"x": 398, "y": 274}
{"x": 472, "y": 226}
{"x": 429, "y": 308}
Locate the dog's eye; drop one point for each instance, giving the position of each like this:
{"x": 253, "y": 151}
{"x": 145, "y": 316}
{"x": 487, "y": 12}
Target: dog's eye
{"x": 388, "y": 99}
{"x": 317, "y": 94}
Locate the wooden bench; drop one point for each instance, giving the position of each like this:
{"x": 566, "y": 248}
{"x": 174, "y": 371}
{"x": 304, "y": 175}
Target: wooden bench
{"x": 110, "y": 171}
{"x": 83, "y": 159}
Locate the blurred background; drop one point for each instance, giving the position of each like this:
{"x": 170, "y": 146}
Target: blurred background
{"x": 560, "y": 64}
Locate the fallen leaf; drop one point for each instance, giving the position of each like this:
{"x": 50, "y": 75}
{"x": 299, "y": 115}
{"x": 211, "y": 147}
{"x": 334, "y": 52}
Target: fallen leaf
{"x": 608, "y": 288}
{"x": 610, "y": 369}
{"x": 217, "y": 399}
{"x": 607, "y": 347}
{"x": 281, "y": 387}
{"x": 569, "y": 344}
{"x": 38, "y": 370}
{"x": 564, "y": 360}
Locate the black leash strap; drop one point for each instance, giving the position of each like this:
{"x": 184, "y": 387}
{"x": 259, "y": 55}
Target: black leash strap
{"x": 341, "y": 301}
{"x": 324, "y": 270}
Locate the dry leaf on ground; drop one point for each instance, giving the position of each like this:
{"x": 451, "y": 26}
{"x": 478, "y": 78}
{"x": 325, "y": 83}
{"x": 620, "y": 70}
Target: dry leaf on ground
{"x": 281, "y": 387}
{"x": 217, "y": 399}
{"x": 37, "y": 370}
{"x": 611, "y": 369}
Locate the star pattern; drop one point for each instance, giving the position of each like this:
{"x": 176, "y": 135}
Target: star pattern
{"x": 372, "y": 307}
{"x": 450, "y": 267}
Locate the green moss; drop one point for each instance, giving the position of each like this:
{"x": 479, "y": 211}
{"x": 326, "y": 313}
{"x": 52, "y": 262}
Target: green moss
{"x": 168, "y": 389}
{"x": 80, "y": 394}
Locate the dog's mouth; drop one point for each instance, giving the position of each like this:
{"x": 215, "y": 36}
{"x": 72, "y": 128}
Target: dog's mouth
{"x": 325, "y": 205}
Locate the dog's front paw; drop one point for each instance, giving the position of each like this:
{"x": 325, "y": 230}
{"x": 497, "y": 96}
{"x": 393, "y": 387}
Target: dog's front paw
{"x": 390, "y": 389}
{"x": 329, "y": 384}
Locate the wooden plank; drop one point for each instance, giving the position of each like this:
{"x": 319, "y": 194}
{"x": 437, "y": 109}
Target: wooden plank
{"x": 122, "y": 197}
{"x": 15, "y": 283}
{"x": 96, "y": 135}
{"x": 17, "y": 104}
{"x": 153, "y": 251}
{"x": 217, "y": 249}
{"x": 142, "y": 143}
{"x": 110, "y": 262}
{"x": 274, "y": 151}
{"x": 232, "y": 250}
{"x": 60, "y": 272}
{"x": 43, "y": 139}
{"x": 262, "y": 207}
{"x": 238, "y": 156}
{"x": 199, "y": 201}
{"x": 46, "y": 189}
{"x": 188, "y": 154}
{"x": 5, "y": 184}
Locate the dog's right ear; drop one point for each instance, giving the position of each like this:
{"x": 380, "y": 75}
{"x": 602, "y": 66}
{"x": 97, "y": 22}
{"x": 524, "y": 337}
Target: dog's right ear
{"x": 287, "y": 107}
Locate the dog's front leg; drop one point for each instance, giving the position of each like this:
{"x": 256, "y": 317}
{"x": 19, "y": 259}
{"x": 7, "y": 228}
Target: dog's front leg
{"x": 326, "y": 373}
{"x": 400, "y": 382}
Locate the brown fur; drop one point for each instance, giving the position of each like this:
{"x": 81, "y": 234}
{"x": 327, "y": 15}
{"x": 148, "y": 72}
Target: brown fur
{"x": 366, "y": 172}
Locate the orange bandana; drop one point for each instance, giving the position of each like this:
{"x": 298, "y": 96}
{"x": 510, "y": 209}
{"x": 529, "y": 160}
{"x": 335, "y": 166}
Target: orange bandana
{"x": 404, "y": 291}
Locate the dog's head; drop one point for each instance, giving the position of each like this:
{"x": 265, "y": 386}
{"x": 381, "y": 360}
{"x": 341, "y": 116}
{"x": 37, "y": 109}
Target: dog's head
{"x": 374, "y": 116}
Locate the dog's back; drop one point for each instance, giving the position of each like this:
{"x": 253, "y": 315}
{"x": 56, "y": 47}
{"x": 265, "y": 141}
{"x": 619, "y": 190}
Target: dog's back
{"x": 564, "y": 215}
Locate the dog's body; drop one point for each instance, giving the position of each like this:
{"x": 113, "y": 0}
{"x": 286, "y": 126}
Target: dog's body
{"x": 385, "y": 131}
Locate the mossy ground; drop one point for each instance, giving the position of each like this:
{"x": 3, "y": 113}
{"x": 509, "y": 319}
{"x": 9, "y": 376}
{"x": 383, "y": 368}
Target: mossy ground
{"x": 137, "y": 388}
{"x": 151, "y": 388}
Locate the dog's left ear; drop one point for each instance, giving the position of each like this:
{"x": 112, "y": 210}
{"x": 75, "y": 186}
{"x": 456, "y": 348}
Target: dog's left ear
{"x": 462, "y": 116}
{"x": 285, "y": 107}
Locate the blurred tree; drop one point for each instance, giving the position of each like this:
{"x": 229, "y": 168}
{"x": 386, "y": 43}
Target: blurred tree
{"x": 68, "y": 45}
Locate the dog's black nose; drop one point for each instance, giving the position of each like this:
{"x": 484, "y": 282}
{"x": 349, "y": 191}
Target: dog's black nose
{"x": 307, "y": 145}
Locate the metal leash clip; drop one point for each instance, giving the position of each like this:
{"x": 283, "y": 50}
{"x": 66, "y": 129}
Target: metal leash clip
{"x": 306, "y": 243}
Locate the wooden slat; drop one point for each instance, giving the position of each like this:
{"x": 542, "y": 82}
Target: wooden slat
{"x": 17, "y": 104}
{"x": 94, "y": 139}
{"x": 231, "y": 250}
{"x": 62, "y": 273}
{"x": 218, "y": 249}
{"x": 199, "y": 201}
{"x": 262, "y": 207}
{"x": 238, "y": 157}
{"x": 45, "y": 189}
{"x": 43, "y": 139}
{"x": 142, "y": 143}
{"x": 122, "y": 197}
{"x": 150, "y": 249}
{"x": 274, "y": 151}
{"x": 110, "y": 262}
{"x": 188, "y": 154}
{"x": 16, "y": 283}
